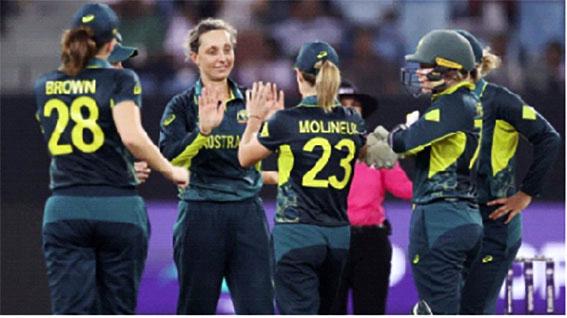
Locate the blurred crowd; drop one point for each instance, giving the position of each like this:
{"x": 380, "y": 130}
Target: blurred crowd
{"x": 372, "y": 38}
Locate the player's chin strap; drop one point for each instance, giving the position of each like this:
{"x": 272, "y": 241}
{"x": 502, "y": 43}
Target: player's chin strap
{"x": 421, "y": 308}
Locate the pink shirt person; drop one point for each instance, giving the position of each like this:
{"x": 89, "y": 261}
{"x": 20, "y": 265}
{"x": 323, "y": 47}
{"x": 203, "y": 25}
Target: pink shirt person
{"x": 367, "y": 191}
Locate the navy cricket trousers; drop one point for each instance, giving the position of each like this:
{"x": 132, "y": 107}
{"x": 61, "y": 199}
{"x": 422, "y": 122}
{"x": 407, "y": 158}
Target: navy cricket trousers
{"x": 213, "y": 240}
{"x": 95, "y": 250}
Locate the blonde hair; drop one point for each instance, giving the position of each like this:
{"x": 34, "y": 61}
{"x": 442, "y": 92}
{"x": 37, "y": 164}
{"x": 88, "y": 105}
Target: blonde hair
{"x": 326, "y": 82}
{"x": 489, "y": 63}
{"x": 77, "y": 48}
{"x": 194, "y": 35}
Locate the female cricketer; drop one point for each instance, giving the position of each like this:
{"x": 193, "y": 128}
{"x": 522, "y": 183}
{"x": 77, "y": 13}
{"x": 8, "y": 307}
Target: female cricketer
{"x": 221, "y": 230}
{"x": 505, "y": 117}
{"x": 446, "y": 228}
{"x": 317, "y": 143}
{"x": 95, "y": 227}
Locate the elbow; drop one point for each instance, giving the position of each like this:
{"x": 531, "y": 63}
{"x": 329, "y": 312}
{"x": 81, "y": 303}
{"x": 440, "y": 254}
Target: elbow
{"x": 132, "y": 142}
{"x": 244, "y": 160}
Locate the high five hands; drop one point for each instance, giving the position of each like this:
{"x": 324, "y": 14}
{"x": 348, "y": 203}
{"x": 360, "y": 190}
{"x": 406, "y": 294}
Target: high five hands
{"x": 211, "y": 110}
{"x": 263, "y": 100}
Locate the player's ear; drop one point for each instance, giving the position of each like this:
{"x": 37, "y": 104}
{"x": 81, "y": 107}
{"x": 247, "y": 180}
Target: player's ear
{"x": 108, "y": 47}
{"x": 298, "y": 75}
{"x": 193, "y": 56}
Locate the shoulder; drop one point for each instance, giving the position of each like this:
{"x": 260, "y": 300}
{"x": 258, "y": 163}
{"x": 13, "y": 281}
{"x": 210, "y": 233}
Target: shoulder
{"x": 125, "y": 75}
{"x": 182, "y": 100}
{"x": 40, "y": 82}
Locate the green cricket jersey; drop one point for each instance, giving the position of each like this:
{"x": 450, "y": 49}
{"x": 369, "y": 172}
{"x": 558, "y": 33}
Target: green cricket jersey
{"x": 75, "y": 114}
{"x": 506, "y": 118}
{"x": 216, "y": 174}
{"x": 316, "y": 155}
{"x": 445, "y": 143}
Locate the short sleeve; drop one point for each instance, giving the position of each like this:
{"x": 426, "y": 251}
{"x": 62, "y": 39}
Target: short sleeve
{"x": 272, "y": 133}
{"x": 128, "y": 88}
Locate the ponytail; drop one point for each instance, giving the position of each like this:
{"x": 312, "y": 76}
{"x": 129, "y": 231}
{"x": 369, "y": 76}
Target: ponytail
{"x": 77, "y": 48}
{"x": 327, "y": 84}
{"x": 489, "y": 62}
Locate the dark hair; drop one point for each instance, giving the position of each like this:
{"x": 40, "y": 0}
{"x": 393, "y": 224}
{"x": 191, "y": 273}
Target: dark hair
{"x": 77, "y": 48}
{"x": 209, "y": 24}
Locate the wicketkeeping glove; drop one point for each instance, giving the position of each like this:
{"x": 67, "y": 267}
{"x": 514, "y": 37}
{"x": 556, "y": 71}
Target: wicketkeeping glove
{"x": 378, "y": 152}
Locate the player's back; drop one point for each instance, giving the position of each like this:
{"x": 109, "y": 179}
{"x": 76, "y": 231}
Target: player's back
{"x": 75, "y": 114}
{"x": 317, "y": 152}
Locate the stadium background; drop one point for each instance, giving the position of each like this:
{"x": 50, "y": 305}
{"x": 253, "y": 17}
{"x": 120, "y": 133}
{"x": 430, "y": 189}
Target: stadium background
{"x": 371, "y": 36}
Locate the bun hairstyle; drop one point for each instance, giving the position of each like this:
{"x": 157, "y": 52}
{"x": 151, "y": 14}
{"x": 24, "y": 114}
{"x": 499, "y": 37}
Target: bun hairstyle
{"x": 77, "y": 48}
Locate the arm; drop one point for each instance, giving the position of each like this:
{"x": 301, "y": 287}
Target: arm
{"x": 180, "y": 136}
{"x": 126, "y": 117}
{"x": 440, "y": 121}
{"x": 546, "y": 143}
{"x": 397, "y": 182}
{"x": 270, "y": 177}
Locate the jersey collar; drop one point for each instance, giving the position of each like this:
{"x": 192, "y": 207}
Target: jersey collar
{"x": 480, "y": 87}
{"x": 95, "y": 62}
{"x": 453, "y": 89}
{"x": 235, "y": 93}
{"x": 311, "y": 101}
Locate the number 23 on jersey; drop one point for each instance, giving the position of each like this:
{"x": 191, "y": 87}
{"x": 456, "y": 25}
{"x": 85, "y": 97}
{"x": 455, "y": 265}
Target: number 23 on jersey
{"x": 310, "y": 178}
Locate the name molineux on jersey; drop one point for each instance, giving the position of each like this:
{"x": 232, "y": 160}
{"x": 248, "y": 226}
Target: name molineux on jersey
{"x": 70, "y": 87}
{"x": 328, "y": 127}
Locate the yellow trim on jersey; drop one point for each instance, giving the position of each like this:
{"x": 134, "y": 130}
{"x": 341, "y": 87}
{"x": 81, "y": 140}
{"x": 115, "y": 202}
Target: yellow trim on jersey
{"x": 504, "y": 144}
{"x": 433, "y": 115}
{"x": 453, "y": 89}
{"x": 285, "y": 164}
{"x": 265, "y": 131}
{"x": 419, "y": 148}
{"x": 528, "y": 113}
{"x": 446, "y": 152}
{"x": 184, "y": 158}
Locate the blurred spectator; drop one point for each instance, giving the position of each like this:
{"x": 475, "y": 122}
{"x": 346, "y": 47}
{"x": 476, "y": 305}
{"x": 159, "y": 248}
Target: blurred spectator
{"x": 510, "y": 73}
{"x": 546, "y": 75}
{"x": 239, "y": 13}
{"x": 182, "y": 20}
{"x": 364, "y": 12}
{"x": 8, "y": 9}
{"x": 143, "y": 26}
{"x": 309, "y": 21}
{"x": 541, "y": 22}
{"x": 370, "y": 72}
{"x": 419, "y": 17}
{"x": 259, "y": 61}
{"x": 388, "y": 40}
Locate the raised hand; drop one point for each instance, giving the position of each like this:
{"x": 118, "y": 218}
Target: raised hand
{"x": 211, "y": 110}
{"x": 257, "y": 101}
{"x": 275, "y": 100}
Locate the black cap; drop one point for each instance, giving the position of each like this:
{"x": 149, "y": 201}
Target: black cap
{"x": 475, "y": 44}
{"x": 121, "y": 53}
{"x": 101, "y": 19}
{"x": 313, "y": 52}
{"x": 369, "y": 104}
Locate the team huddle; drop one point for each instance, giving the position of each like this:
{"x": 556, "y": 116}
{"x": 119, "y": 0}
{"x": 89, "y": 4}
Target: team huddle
{"x": 465, "y": 226}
